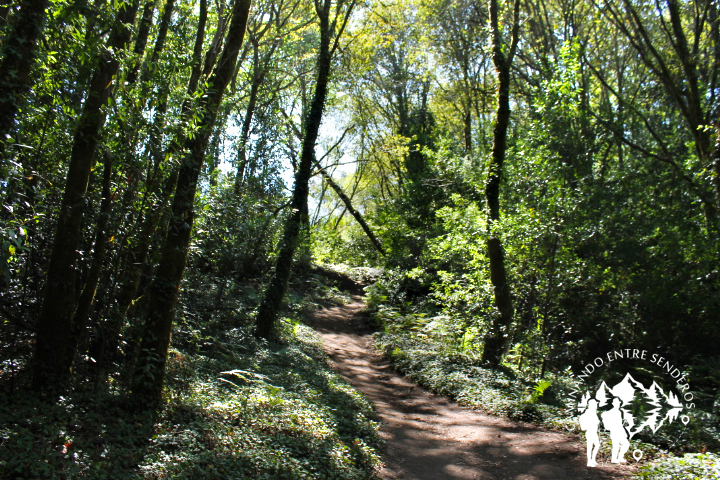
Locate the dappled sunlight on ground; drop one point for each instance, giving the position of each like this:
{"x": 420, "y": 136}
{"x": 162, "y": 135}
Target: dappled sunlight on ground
{"x": 431, "y": 437}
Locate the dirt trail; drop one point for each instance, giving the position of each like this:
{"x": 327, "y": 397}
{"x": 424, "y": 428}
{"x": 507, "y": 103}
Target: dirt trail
{"x": 430, "y": 437}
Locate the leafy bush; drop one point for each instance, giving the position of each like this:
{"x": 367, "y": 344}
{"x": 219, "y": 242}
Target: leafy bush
{"x": 691, "y": 466}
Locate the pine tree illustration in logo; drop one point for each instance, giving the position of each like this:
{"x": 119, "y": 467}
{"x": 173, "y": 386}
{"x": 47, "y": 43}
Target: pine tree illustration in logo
{"x": 625, "y": 410}
{"x": 646, "y": 407}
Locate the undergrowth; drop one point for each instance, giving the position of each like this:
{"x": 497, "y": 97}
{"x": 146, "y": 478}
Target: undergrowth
{"x": 691, "y": 466}
{"x": 235, "y": 408}
{"x": 462, "y": 378}
{"x": 439, "y": 353}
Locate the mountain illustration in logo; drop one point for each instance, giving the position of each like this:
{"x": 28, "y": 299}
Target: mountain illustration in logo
{"x": 624, "y": 410}
{"x": 642, "y": 407}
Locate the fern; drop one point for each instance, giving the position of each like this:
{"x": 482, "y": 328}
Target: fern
{"x": 538, "y": 391}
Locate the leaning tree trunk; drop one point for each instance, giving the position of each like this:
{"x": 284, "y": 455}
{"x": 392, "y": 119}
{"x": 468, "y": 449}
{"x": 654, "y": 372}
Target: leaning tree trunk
{"x": 19, "y": 50}
{"x": 275, "y": 291}
{"x": 349, "y": 207}
{"x": 143, "y": 32}
{"x": 53, "y": 357}
{"x": 497, "y": 338}
{"x": 106, "y": 345}
{"x": 149, "y": 370}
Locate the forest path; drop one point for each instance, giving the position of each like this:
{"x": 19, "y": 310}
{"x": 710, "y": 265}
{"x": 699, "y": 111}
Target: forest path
{"x": 429, "y": 437}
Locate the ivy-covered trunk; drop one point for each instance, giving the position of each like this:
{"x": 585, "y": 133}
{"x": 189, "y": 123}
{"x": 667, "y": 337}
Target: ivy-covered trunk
{"x": 497, "y": 338}
{"x": 149, "y": 370}
{"x": 275, "y": 292}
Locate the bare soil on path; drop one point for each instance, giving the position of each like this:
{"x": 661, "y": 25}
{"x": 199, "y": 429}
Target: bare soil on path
{"x": 430, "y": 437}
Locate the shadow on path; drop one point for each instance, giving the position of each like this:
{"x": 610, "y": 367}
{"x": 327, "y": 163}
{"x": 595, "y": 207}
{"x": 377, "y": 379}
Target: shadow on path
{"x": 430, "y": 437}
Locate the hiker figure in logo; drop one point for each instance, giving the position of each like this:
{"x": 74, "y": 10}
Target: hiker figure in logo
{"x": 614, "y": 422}
{"x": 590, "y": 422}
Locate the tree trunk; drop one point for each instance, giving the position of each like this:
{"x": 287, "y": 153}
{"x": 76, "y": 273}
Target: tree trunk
{"x": 467, "y": 130}
{"x": 197, "y": 48}
{"x": 141, "y": 39}
{"x": 106, "y": 346}
{"x": 348, "y": 205}
{"x": 19, "y": 50}
{"x": 497, "y": 338}
{"x": 260, "y": 68}
{"x": 105, "y": 349}
{"x": 52, "y": 355}
{"x": 87, "y": 297}
{"x": 275, "y": 291}
{"x": 150, "y": 368}
{"x": 160, "y": 40}
{"x": 716, "y": 165}
{"x": 257, "y": 79}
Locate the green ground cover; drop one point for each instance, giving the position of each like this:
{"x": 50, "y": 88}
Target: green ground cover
{"x": 278, "y": 412}
{"x": 432, "y": 350}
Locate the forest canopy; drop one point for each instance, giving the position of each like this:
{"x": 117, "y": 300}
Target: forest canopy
{"x": 541, "y": 176}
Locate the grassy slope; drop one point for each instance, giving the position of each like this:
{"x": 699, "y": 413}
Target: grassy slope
{"x": 282, "y": 414}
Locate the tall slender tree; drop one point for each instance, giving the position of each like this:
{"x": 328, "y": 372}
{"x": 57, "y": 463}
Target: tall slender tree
{"x": 497, "y": 338}
{"x": 330, "y": 33}
{"x": 149, "y": 371}
{"x": 53, "y": 357}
